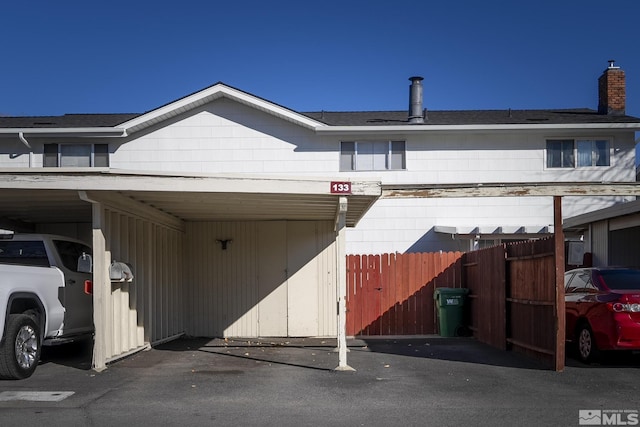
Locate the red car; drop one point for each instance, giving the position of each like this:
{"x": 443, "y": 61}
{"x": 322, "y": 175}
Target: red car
{"x": 602, "y": 310}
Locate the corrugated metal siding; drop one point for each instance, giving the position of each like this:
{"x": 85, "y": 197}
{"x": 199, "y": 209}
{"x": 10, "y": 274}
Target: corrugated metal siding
{"x": 240, "y": 292}
{"x": 150, "y": 308}
{"x": 600, "y": 243}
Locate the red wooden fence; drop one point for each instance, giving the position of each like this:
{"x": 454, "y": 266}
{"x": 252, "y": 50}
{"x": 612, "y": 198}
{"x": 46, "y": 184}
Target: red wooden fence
{"x": 392, "y": 294}
{"x": 516, "y": 295}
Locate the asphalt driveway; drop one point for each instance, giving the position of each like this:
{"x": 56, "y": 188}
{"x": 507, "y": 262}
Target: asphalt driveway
{"x": 426, "y": 381}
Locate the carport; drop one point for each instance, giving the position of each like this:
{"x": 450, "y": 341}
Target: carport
{"x": 210, "y": 255}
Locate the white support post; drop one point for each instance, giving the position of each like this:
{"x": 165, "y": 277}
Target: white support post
{"x": 101, "y": 291}
{"x": 341, "y": 275}
{"x": 101, "y": 285}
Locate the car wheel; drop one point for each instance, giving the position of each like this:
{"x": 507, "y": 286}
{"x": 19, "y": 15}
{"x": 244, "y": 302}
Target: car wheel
{"x": 587, "y": 349}
{"x": 20, "y": 351}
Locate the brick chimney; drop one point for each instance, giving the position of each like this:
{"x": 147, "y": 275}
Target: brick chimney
{"x": 611, "y": 91}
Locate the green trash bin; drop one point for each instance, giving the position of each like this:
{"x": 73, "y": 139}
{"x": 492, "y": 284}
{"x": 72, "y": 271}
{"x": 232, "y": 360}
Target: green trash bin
{"x": 450, "y": 303}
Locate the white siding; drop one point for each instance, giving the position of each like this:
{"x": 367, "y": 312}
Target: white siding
{"x": 221, "y": 284}
{"x": 149, "y": 309}
{"x": 227, "y": 137}
{"x": 275, "y": 279}
{"x": 14, "y": 154}
{"x": 273, "y": 318}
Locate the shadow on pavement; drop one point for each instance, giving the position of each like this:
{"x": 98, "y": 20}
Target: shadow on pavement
{"x": 78, "y": 354}
{"x": 318, "y": 353}
{"x": 607, "y": 359}
{"x": 469, "y": 350}
{"x": 466, "y": 350}
{"x": 309, "y": 353}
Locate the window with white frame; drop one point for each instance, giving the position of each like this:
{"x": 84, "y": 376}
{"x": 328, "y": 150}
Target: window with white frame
{"x": 76, "y": 155}
{"x": 372, "y": 155}
{"x": 572, "y": 153}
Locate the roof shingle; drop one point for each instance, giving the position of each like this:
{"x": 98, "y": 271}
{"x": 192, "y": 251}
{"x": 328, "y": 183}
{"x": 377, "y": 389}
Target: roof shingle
{"x": 470, "y": 117}
{"x": 359, "y": 118}
{"x": 66, "y": 121}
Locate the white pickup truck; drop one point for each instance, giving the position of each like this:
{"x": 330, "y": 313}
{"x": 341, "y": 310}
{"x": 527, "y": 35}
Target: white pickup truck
{"x": 45, "y": 297}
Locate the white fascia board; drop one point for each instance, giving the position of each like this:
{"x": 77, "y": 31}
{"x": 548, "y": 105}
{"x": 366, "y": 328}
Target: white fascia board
{"x": 212, "y": 93}
{"x": 69, "y": 132}
{"x": 104, "y": 180}
{"x": 475, "y": 128}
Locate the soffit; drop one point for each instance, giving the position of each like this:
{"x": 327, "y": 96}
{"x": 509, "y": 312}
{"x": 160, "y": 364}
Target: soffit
{"x": 48, "y": 198}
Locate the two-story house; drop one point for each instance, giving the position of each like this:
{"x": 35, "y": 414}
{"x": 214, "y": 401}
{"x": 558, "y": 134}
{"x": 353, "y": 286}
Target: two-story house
{"x": 278, "y": 222}
{"x": 222, "y": 130}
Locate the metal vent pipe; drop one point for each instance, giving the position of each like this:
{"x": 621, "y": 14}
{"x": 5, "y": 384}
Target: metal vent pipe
{"x": 416, "y": 114}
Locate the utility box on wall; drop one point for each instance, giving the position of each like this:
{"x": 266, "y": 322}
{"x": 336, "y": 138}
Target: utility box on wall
{"x": 120, "y": 272}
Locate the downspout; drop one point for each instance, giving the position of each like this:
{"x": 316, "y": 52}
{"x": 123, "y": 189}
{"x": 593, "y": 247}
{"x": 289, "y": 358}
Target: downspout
{"x": 25, "y": 142}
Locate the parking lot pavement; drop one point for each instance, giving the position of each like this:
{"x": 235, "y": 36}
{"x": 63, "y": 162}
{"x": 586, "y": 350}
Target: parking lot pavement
{"x": 425, "y": 381}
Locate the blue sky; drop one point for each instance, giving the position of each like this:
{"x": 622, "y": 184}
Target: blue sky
{"x": 70, "y": 56}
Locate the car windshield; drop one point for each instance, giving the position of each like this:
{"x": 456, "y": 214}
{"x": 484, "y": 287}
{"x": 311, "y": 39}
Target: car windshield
{"x": 621, "y": 279}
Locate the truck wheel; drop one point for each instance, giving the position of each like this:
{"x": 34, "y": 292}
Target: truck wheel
{"x": 20, "y": 350}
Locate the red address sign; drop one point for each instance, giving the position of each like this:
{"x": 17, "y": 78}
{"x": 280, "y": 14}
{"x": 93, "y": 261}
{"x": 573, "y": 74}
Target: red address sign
{"x": 340, "y": 187}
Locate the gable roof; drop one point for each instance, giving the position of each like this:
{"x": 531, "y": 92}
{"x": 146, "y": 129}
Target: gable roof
{"x": 320, "y": 121}
{"x": 216, "y": 91}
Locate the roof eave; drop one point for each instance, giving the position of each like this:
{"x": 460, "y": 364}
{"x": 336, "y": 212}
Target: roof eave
{"x": 66, "y": 132}
{"x": 474, "y": 127}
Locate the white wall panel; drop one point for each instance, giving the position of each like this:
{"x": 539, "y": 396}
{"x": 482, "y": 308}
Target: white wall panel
{"x": 303, "y": 278}
{"x": 273, "y": 317}
{"x": 150, "y": 308}
{"x": 276, "y": 278}
{"x": 220, "y": 136}
{"x": 221, "y": 283}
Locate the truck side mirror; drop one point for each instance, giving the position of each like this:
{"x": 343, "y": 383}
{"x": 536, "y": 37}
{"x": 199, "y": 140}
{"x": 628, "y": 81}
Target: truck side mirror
{"x": 85, "y": 263}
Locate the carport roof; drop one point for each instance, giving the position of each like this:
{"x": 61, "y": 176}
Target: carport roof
{"x": 61, "y": 196}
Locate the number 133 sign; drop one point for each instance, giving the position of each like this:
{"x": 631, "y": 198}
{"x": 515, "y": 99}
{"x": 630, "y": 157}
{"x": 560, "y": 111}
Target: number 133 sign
{"x": 339, "y": 187}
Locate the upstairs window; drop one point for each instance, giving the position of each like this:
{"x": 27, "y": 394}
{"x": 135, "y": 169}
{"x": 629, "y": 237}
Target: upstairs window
{"x": 372, "y": 155}
{"x": 592, "y": 152}
{"x": 572, "y": 153}
{"x": 76, "y": 155}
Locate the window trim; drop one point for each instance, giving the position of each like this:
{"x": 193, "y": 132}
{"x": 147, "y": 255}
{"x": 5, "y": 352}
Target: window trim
{"x": 575, "y": 141}
{"x": 102, "y": 153}
{"x": 352, "y": 152}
